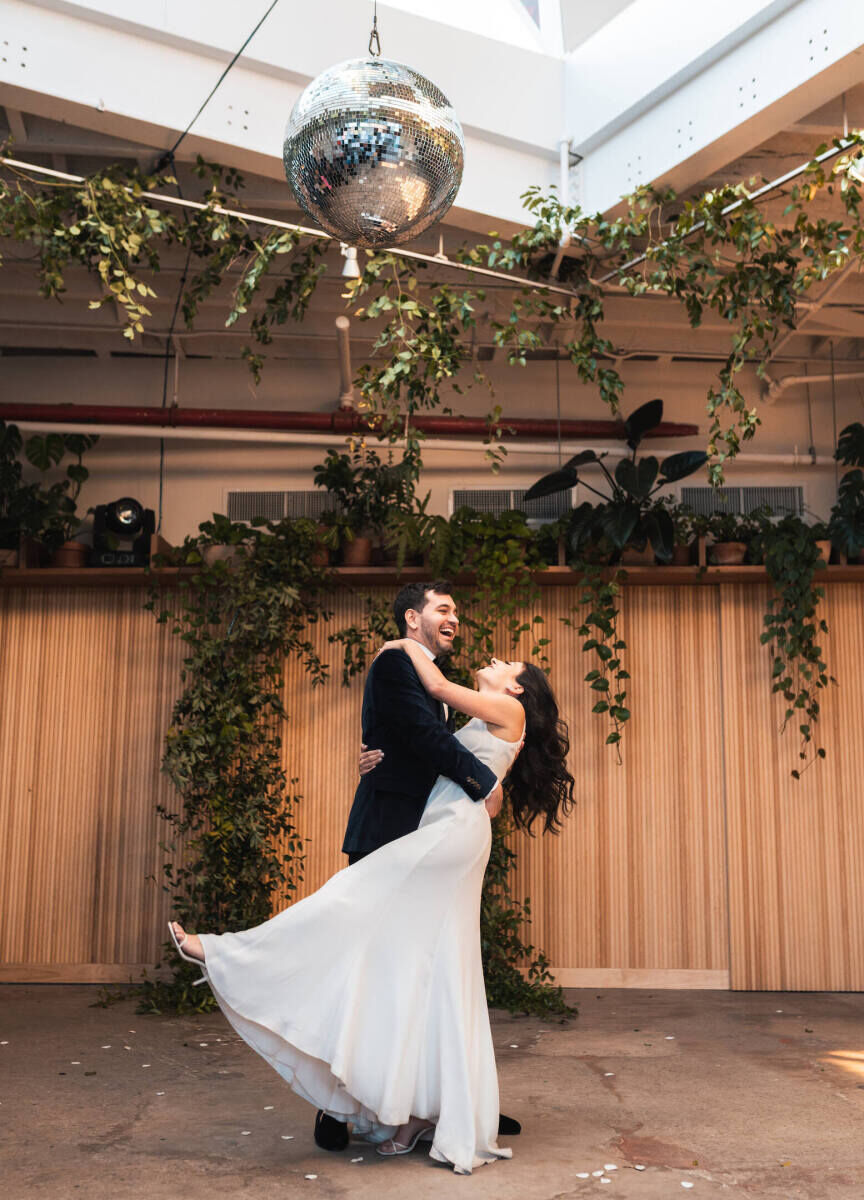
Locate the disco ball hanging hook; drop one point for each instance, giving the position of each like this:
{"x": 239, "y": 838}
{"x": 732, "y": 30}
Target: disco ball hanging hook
{"x": 373, "y": 150}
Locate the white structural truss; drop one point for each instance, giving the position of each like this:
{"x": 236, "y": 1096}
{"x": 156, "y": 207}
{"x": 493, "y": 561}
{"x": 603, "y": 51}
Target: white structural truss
{"x": 656, "y": 93}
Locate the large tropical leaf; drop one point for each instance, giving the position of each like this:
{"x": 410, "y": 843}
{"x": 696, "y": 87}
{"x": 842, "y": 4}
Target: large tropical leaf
{"x": 636, "y": 478}
{"x": 850, "y": 445}
{"x": 583, "y": 521}
{"x": 676, "y": 466}
{"x": 639, "y": 422}
{"x": 558, "y": 481}
{"x": 661, "y": 533}
{"x": 618, "y": 522}
{"x": 585, "y": 456}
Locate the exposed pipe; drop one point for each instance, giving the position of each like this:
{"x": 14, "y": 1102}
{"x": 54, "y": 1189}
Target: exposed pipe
{"x": 255, "y": 219}
{"x": 762, "y": 191}
{"x": 563, "y": 190}
{"x": 346, "y": 396}
{"x": 340, "y": 422}
{"x": 776, "y": 387}
{"x": 812, "y": 308}
{"x": 292, "y": 438}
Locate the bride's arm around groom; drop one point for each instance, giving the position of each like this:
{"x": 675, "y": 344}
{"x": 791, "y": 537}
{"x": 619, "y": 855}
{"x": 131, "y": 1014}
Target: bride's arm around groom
{"x": 401, "y": 719}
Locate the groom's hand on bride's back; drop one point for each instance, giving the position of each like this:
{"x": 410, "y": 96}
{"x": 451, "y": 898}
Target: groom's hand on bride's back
{"x": 369, "y": 759}
{"x": 494, "y": 800}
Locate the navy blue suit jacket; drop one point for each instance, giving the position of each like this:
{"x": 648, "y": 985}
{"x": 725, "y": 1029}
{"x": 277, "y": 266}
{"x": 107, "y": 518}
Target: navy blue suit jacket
{"x": 403, "y": 720}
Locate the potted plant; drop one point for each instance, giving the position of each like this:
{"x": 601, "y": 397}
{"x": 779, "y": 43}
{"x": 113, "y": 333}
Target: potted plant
{"x": 629, "y": 517}
{"x": 846, "y": 524}
{"x": 57, "y": 516}
{"x": 684, "y": 530}
{"x": 821, "y": 535}
{"x": 19, "y": 508}
{"x": 733, "y": 536}
{"x": 360, "y": 485}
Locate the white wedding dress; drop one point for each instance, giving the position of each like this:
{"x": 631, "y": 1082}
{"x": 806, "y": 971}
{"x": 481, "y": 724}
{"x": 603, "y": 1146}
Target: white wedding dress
{"x": 367, "y": 997}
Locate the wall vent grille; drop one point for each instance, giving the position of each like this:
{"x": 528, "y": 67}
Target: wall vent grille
{"x": 500, "y": 500}
{"x": 274, "y": 506}
{"x": 783, "y": 501}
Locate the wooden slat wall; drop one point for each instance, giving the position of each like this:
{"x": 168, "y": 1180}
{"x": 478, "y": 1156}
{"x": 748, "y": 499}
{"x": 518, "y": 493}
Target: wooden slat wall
{"x": 796, "y": 849}
{"x": 634, "y": 891}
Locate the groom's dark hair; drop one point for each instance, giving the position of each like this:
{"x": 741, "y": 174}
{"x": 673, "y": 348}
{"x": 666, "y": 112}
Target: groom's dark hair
{"x": 413, "y": 595}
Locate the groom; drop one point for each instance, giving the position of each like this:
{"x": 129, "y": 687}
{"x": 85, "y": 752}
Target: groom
{"x": 410, "y": 746}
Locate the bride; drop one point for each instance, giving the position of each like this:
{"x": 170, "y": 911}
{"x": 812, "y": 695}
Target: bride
{"x": 368, "y": 996}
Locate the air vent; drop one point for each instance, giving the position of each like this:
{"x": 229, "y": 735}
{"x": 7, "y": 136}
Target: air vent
{"x": 783, "y": 501}
{"x": 274, "y": 506}
{"x": 501, "y": 500}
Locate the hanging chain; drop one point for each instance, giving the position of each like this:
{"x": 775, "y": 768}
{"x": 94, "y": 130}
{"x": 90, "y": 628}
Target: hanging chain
{"x": 374, "y": 39}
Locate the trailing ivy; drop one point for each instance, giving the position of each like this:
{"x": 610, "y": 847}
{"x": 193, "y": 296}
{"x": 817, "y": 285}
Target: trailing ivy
{"x": 236, "y": 826}
{"x": 792, "y": 626}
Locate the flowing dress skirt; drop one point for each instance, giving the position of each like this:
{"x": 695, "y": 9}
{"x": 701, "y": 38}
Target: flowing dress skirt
{"x": 368, "y": 996}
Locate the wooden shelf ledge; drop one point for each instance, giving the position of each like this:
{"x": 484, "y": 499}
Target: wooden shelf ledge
{"x": 384, "y": 576}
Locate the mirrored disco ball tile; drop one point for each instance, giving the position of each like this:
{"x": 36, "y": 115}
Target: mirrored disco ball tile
{"x": 373, "y": 152}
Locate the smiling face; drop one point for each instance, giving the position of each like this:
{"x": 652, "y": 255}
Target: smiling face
{"x": 501, "y": 676}
{"x": 436, "y": 625}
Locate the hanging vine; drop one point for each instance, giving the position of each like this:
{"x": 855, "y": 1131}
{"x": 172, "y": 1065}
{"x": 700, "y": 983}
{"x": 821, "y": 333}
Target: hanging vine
{"x": 233, "y": 846}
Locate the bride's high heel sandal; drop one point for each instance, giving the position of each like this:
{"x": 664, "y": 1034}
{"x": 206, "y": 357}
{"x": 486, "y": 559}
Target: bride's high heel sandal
{"x": 423, "y": 1134}
{"x": 178, "y": 946}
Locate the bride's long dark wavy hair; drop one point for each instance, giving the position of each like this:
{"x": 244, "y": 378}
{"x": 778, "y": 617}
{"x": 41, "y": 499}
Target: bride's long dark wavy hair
{"x": 539, "y": 784}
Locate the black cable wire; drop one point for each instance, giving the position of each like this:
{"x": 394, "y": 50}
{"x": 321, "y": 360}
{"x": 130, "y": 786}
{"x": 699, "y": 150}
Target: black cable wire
{"x": 166, "y": 160}
{"x": 169, "y": 154}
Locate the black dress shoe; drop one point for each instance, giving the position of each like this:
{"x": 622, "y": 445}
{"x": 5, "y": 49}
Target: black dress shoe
{"x": 508, "y": 1125}
{"x": 330, "y": 1134}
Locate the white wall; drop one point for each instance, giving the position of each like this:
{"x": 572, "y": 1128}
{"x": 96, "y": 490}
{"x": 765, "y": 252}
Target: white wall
{"x": 197, "y": 474}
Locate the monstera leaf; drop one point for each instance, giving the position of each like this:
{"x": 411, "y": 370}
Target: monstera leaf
{"x": 639, "y": 422}
{"x": 850, "y": 445}
{"x": 677, "y": 466}
{"x": 636, "y": 479}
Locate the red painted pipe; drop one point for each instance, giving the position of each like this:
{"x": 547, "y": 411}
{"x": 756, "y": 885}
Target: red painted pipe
{"x": 321, "y": 422}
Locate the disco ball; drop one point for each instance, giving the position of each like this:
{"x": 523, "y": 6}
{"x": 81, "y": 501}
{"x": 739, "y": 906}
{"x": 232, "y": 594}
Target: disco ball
{"x": 373, "y": 152}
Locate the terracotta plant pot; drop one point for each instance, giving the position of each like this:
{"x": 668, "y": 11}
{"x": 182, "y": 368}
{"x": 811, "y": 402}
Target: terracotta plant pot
{"x": 70, "y": 554}
{"x": 357, "y": 552}
{"x": 824, "y": 548}
{"x": 681, "y": 556}
{"x": 728, "y": 554}
{"x": 638, "y": 558}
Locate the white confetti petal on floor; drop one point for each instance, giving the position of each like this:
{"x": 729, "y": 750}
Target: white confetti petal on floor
{"x": 360, "y": 1159}
{"x": 778, "y": 1009}
{"x": 582, "y": 1175}
{"x": 268, "y": 1107}
{"x": 287, "y": 1137}
{"x": 76, "y": 1062}
{"x": 4, "y": 1043}
{"x": 145, "y": 1064}
{"x": 605, "y": 1179}
{"x": 310, "y": 1176}
{"x": 106, "y": 1047}
{"x": 686, "y": 1183}
{"x": 640, "y": 1166}
{"x": 203, "y": 1043}
{"x": 514, "y": 1046}
{"x": 131, "y": 1030}
{"x": 609, "y": 1167}
{"x": 608, "y": 1074}
{"x": 670, "y": 1037}
{"x": 160, "y": 1093}
{"x": 596, "y": 1174}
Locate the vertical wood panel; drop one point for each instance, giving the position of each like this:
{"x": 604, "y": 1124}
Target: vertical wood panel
{"x": 635, "y": 883}
{"x": 796, "y": 849}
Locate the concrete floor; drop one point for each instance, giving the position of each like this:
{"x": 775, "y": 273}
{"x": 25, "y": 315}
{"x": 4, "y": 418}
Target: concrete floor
{"x": 749, "y": 1094}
